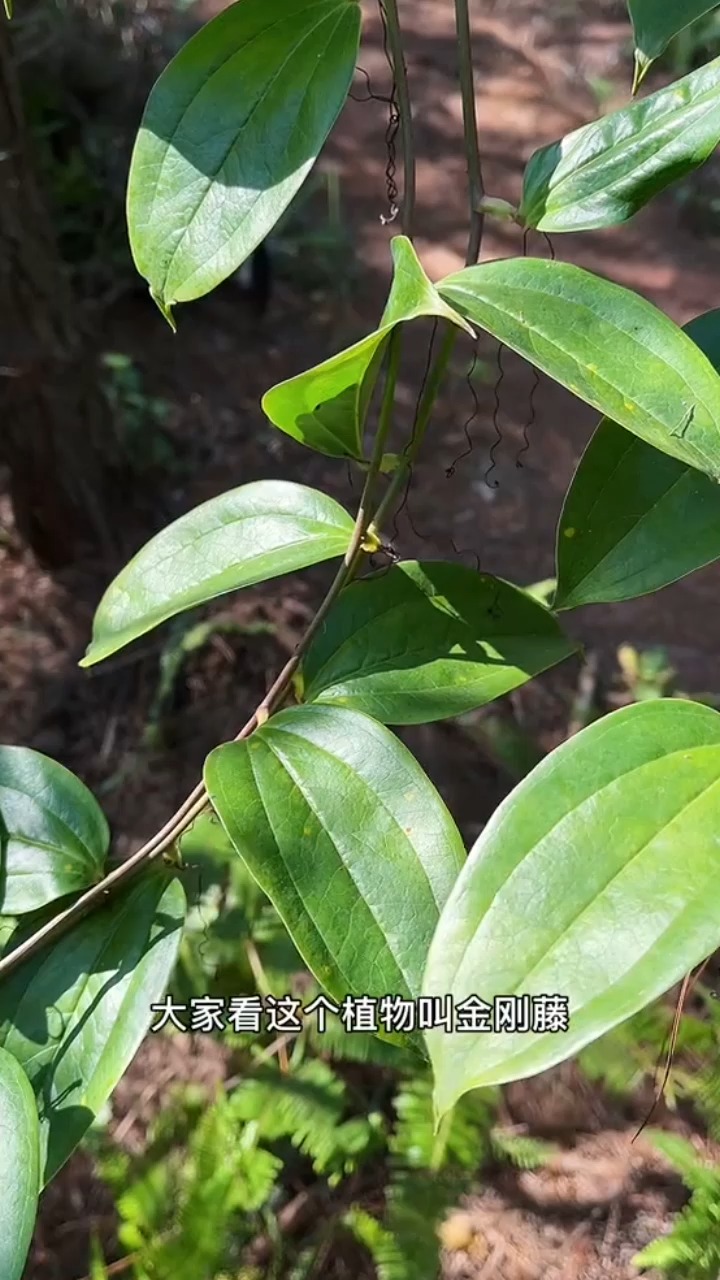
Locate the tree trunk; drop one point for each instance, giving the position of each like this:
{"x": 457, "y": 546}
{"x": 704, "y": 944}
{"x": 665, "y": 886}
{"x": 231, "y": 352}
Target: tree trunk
{"x": 56, "y": 433}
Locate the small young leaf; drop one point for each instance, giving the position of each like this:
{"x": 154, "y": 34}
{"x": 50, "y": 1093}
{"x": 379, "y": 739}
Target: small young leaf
{"x": 74, "y": 1014}
{"x": 325, "y": 407}
{"x": 635, "y": 520}
{"x": 348, "y": 838}
{"x": 595, "y": 881}
{"x": 19, "y": 1167}
{"x": 53, "y": 834}
{"x": 610, "y": 347}
{"x": 602, "y": 174}
{"x": 248, "y": 535}
{"x": 422, "y": 642}
{"x": 230, "y": 132}
{"x": 656, "y": 23}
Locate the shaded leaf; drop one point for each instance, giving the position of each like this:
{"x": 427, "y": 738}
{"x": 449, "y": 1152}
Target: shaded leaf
{"x": 325, "y": 407}
{"x": 635, "y": 520}
{"x": 53, "y": 834}
{"x": 595, "y": 880}
{"x": 248, "y": 535}
{"x": 422, "y": 642}
{"x": 602, "y": 174}
{"x": 230, "y": 132}
{"x": 75, "y": 1014}
{"x": 19, "y": 1167}
{"x": 656, "y": 24}
{"x": 347, "y": 837}
{"x": 610, "y": 347}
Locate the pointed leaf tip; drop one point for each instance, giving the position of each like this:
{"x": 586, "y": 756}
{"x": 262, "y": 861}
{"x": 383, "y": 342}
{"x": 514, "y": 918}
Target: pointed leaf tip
{"x": 165, "y": 309}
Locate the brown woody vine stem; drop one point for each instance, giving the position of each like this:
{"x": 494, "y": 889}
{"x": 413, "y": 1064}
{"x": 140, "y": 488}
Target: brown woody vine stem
{"x": 197, "y": 801}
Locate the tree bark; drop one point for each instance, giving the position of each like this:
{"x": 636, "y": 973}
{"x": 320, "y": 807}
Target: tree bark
{"x": 56, "y": 433}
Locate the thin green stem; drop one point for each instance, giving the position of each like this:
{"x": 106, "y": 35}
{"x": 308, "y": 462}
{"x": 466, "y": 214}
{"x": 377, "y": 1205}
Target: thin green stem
{"x": 430, "y": 393}
{"x": 387, "y": 413}
{"x": 402, "y": 89}
{"x": 442, "y": 1137}
{"x": 476, "y": 188}
{"x": 198, "y": 800}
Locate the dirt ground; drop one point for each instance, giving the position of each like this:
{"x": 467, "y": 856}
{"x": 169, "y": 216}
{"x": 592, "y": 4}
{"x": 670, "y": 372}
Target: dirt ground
{"x": 539, "y": 67}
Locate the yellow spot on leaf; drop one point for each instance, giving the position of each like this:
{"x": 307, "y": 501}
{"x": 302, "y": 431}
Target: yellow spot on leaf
{"x": 570, "y": 533}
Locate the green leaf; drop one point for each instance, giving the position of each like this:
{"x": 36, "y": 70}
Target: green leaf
{"x": 595, "y": 880}
{"x": 602, "y": 174}
{"x": 348, "y": 838}
{"x": 325, "y": 407}
{"x": 422, "y": 642}
{"x": 19, "y": 1167}
{"x": 655, "y": 24}
{"x": 74, "y": 1014}
{"x": 635, "y": 520}
{"x": 610, "y": 347}
{"x": 248, "y": 535}
{"x": 230, "y": 132}
{"x": 53, "y": 834}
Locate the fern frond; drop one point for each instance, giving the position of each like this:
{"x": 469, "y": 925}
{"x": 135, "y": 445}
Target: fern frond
{"x": 308, "y": 1108}
{"x": 381, "y": 1244}
{"x": 695, "y": 1173}
{"x": 465, "y": 1135}
{"x": 520, "y": 1149}
{"x": 691, "y": 1251}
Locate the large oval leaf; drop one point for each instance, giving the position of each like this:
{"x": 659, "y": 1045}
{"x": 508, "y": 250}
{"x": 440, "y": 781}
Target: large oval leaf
{"x": 75, "y": 1014}
{"x": 242, "y": 537}
{"x": 610, "y": 347}
{"x": 325, "y": 407}
{"x": 602, "y": 174}
{"x": 19, "y": 1167}
{"x": 230, "y": 132}
{"x": 635, "y": 520}
{"x": 656, "y": 24}
{"x": 595, "y": 880}
{"x": 53, "y": 834}
{"x": 348, "y": 838}
{"x": 422, "y": 642}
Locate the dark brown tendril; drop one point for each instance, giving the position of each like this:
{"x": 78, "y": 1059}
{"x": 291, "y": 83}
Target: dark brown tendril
{"x": 496, "y": 420}
{"x": 531, "y": 419}
{"x": 450, "y": 471}
{"x": 392, "y": 130}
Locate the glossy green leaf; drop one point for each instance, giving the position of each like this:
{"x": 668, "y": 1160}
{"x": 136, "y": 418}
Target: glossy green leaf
{"x": 602, "y": 174}
{"x": 635, "y": 520}
{"x": 595, "y": 880}
{"x": 230, "y": 132}
{"x": 19, "y": 1167}
{"x": 53, "y": 834}
{"x": 75, "y": 1014}
{"x": 422, "y": 642}
{"x": 248, "y": 535}
{"x": 348, "y": 838}
{"x": 657, "y": 22}
{"x": 610, "y": 347}
{"x": 325, "y": 407}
